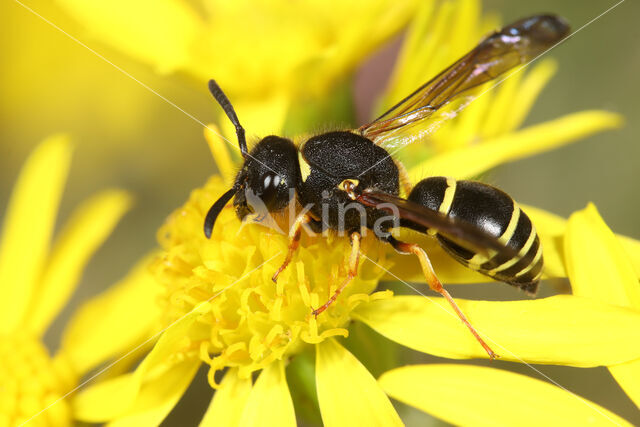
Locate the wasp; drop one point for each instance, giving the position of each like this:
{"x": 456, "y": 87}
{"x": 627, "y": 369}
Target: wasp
{"x": 477, "y": 224}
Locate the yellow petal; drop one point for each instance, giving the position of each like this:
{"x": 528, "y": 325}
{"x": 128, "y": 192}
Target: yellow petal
{"x": 632, "y": 247}
{"x": 545, "y": 222}
{"x": 407, "y": 75}
{"x": 112, "y": 398}
{"x": 28, "y": 226}
{"x": 628, "y": 377}
{"x": 505, "y": 95}
{"x": 158, "y": 396}
{"x": 89, "y": 227}
{"x": 471, "y": 161}
{"x": 597, "y": 264}
{"x": 220, "y": 152}
{"x": 270, "y": 399}
{"x": 377, "y": 22}
{"x": 528, "y": 92}
{"x": 599, "y": 268}
{"x": 228, "y": 401}
{"x": 257, "y": 123}
{"x": 106, "y": 399}
{"x": 479, "y": 396}
{"x": 159, "y": 33}
{"x": 115, "y": 321}
{"x": 552, "y": 227}
{"x": 347, "y": 393}
{"x": 563, "y": 330}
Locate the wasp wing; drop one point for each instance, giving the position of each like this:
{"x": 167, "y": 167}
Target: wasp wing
{"x": 461, "y": 232}
{"x": 439, "y": 99}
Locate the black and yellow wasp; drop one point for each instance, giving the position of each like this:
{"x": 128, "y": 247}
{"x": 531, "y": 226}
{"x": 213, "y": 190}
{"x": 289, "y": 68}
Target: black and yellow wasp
{"x": 479, "y": 225}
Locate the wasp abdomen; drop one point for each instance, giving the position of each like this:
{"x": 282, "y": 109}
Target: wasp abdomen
{"x": 494, "y": 212}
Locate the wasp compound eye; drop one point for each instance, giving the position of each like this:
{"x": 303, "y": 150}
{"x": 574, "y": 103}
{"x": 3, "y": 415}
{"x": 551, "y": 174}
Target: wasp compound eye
{"x": 270, "y": 184}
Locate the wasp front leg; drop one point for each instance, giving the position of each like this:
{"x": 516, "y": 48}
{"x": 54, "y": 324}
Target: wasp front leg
{"x": 294, "y": 241}
{"x": 435, "y": 284}
{"x": 354, "y": 260}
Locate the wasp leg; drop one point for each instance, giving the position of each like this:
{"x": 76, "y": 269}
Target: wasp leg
{"x": 354, "y": 259}
{"x": 294, "y": 241}
{"x": 435, "y": 284}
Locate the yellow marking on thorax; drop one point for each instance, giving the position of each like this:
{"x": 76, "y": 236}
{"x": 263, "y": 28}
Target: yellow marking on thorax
{"x": 403, "y": 175}
{"x": 447, "y": 200}
{"x": 305, "y": 169}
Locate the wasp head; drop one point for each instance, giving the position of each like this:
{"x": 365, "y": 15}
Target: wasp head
{"x": 264, "y": 182}
{"x": 263, "y": 185}
{"x": 269, "y": 172}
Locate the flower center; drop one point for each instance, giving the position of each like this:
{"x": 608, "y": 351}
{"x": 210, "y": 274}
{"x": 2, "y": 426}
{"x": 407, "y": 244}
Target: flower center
{"x": 30, "y": 381}
{"x": 251, "y": 321}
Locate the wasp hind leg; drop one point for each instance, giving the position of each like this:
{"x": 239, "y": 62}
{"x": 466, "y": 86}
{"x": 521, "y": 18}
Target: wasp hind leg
{"x": 435, "y": 284}
{"x": 354, "y": 260}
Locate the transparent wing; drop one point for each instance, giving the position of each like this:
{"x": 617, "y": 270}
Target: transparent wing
{"x": 438, "y": 100}
{"x": 462, "y": 232}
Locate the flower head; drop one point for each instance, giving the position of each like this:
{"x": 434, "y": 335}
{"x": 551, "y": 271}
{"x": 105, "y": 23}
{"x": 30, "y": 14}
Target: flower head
{"x": 250, "y": 321}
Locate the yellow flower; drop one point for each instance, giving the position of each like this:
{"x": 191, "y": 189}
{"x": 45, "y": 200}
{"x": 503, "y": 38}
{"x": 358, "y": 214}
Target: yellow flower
{"x": 221, "y": 308}
{"x": 36, "y": 280}
{"x": 267, "y": 55}
{"x": 233, "y": 316}
{"x": 228, "y": 313}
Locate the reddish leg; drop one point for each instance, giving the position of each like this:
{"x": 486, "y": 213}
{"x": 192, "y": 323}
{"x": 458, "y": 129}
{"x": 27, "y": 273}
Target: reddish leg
{"x": 294, "y": 242}
{"x": 434, "y": 284}
{"x": 353, "y": 271}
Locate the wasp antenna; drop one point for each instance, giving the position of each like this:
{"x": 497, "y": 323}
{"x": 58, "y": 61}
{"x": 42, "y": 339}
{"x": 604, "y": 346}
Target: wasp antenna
{"x": 224, "y": 102}
{"x": 215, "y": 210}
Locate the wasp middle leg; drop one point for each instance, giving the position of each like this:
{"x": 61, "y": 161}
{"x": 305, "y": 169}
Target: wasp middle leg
{"x": 354, "y": 259}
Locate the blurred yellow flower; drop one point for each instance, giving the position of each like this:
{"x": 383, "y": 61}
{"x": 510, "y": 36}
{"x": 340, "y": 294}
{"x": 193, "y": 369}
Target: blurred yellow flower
{"x": 269, "y": 56}
{"x": 36, "y": 281}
